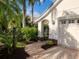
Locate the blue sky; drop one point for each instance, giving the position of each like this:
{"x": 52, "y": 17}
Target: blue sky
{"x": 39, "y": 9}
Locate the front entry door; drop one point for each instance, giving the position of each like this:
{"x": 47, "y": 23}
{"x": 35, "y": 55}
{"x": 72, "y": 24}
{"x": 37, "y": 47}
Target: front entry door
{"x": 46, "y": 31}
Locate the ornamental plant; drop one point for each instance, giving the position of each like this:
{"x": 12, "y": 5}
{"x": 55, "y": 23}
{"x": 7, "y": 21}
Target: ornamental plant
{"x": 29, "y": 33}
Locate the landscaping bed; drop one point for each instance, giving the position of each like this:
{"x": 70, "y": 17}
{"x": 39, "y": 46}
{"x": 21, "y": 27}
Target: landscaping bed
{"x": 19, "y": 53}
{"x": 49, "y": 44}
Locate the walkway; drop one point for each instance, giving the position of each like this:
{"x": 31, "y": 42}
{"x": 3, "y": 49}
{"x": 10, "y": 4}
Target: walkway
{"x": 36, "y": 52}
{"x": 34, "y": 49}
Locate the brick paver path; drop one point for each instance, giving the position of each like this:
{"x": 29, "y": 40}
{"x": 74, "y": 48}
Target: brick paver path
{"x": 34, "y": 49}
{"x": 36, "y": 52}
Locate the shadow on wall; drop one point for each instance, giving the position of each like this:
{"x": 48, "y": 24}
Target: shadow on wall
{"x": 65, "y": 38}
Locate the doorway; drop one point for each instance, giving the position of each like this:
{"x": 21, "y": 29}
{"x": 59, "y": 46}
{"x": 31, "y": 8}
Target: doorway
{"x": 45, "y": 29}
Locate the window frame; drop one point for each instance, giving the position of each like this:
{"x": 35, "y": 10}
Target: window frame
{"x": 71, "y": 21}
{"x": 77, "y": 21}
{"x": 63, "y": 21}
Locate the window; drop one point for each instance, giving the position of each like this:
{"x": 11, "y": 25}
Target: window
{"x": 71, "y": 21}
{"x": 63, "y": 22}
{"x": 77, "y": 21}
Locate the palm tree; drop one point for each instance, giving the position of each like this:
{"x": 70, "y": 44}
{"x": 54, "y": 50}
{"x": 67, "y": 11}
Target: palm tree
{"x": 32, "y": 3}
{"x": 9, "y": 9}
{"x": 23, "y": 3}
{"x": 24, "y": 13}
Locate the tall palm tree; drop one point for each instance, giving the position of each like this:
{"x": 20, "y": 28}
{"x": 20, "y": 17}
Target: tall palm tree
{"x": 32, "y": 3}
{"x": 24, "y": 13}
{"x": 23, "y": 3}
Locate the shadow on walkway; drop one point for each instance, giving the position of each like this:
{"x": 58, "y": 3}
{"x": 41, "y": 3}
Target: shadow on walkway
{"x": 18, "y": 54}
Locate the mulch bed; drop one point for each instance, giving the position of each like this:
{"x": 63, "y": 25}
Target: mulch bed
{"x": 47, "y": 46}
{"x": 18, "y": 54}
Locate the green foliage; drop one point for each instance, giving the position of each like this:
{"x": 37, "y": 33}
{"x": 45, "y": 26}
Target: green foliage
{"x": 6, "y": 39}
{"x": 19, "y": 35}
{"x": 20, "y": 45}
{"x": 9, "y": 11}
{"x": 51, "y": 42}
{"x": 29, "y": 33}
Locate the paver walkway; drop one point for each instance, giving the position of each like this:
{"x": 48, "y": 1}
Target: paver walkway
{"x": 59, "y": 52}
{"x": 34, "y": 49}
{"x": 36, "y": 52}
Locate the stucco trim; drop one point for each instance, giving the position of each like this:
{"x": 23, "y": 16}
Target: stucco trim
{"x": 48, "y": 11}
{"x": 69, "y": 17}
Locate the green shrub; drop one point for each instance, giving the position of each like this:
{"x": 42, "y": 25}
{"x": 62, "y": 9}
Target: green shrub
{"x": 20, "y": 45}
{"x": 51, "y": 42}
{"x": 6, "y": 39}
{"x": 19, "y": 35}
{"x": 29, "y": 33}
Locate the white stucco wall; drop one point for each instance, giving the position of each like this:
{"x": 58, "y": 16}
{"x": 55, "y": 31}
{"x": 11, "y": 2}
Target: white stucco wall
{"x": 40, "y": 29}
{"x": 40, "y": 25}
{"x": 51, "y": 17}
{"x": 69, "y": 5}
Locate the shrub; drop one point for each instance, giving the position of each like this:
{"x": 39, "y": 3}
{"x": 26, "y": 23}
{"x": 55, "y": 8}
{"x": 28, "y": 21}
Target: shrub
{"x": 29, "y": 33}
{"x": 19, "y": 35}
{"x": 51, "y": 42}
{"x": 7, "y": 41}
{"x": 20, "y": 45}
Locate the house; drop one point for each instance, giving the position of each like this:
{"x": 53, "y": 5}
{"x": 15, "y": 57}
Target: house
{"x": 61, "y": 22}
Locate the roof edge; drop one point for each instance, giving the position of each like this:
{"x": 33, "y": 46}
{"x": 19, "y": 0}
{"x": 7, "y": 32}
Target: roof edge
{"x": 47, "y": 12}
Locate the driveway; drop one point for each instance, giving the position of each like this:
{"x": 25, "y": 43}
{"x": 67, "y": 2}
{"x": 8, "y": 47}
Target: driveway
{"x": 59, "y": 52}
{"x": 56, "y": 52}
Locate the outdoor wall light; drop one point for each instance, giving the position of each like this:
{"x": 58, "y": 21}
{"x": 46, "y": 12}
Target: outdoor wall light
{"x": 53, "y": 22}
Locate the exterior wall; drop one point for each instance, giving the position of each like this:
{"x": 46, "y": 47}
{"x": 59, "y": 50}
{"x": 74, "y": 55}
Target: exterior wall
{"x": 40, "y": 29}
{"x": 49, "y": 18}
{"x": 68, "y": 5}
{"x": 52, "y": 25}
{"x": 54, "y": 32}
{"x": 40, "y": 25}
{"x": 68, "y": 33}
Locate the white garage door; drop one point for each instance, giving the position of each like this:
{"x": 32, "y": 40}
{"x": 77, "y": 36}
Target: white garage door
{"x": 69, "y": 33}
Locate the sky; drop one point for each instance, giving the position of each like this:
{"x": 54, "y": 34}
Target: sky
{"x": 39, "y": 9}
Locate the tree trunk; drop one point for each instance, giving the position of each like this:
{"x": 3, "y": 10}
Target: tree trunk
{"x": 32, "y": 13}
{"x": 14, "y": 41}
{"x": 24, "y": 13}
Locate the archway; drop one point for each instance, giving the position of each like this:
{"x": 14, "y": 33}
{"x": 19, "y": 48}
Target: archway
{"x": 45, "y": 29}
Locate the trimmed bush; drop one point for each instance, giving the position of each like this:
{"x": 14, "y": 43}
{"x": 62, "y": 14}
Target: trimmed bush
{"x": 52, "y": 42}
{"x": 29, "y": 33}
